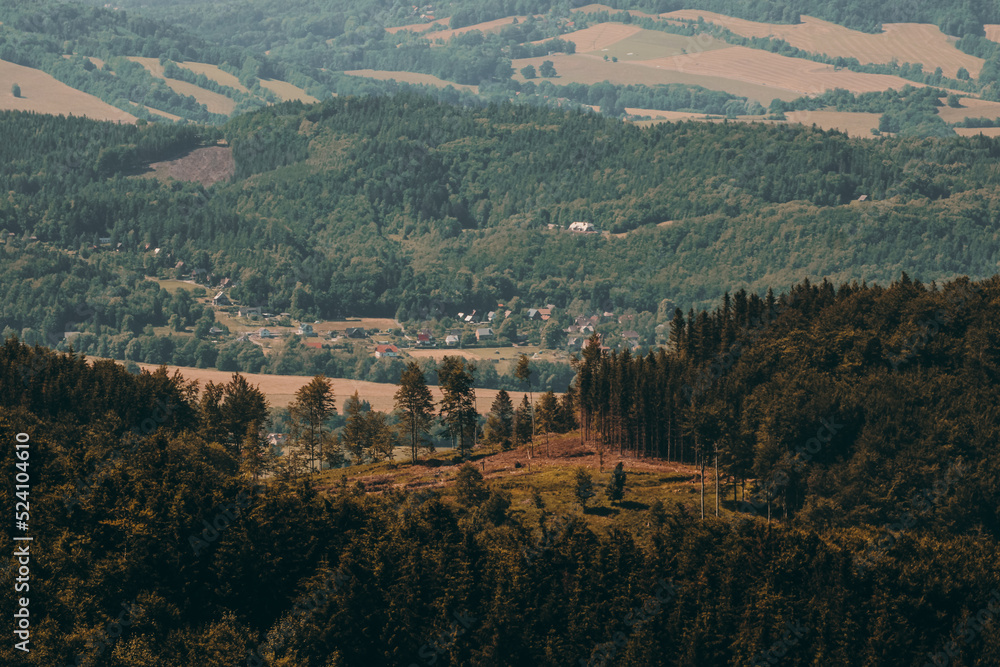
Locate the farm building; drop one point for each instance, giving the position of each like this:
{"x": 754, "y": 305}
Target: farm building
{"x": 386, "y": 351}
{"x": 264, "y": 333}
{"x": 221, "y": 299}
{"x": 451, "y": 340}
{"x": 484, "y": 334}
{"x": 306, "y": 330}
{"x": 355, "y": 332}
{"x": 584, "y": 227}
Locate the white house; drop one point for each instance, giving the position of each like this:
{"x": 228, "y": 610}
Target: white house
{"x": 581, "y": 227}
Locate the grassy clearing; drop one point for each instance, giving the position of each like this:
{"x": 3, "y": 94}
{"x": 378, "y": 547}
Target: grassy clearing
{"x": 410, "y": 77}
{"x": 650, "y": 44}
{"x": 172, "y": 285}
{"x": 905, "y": 42}
{"x": 43, "y": 93}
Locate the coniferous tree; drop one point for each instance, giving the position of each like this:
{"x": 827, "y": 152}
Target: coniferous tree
{"x": 416, "y": 407}
{"x": 499, "y": 430}
{"x": 313, "y": 406}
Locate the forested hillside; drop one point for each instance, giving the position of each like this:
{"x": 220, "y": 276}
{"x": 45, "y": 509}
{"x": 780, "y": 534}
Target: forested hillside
{"x": 858, "y": 417}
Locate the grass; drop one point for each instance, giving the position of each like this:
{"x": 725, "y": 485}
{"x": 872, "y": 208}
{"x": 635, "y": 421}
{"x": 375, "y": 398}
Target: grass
{"x": 172, "y": 285}
{"x": 43, "y": 93}
{"x": 650, "y": 44}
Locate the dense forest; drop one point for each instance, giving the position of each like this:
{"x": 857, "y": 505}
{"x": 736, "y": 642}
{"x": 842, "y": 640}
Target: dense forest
{"x": 858, "y": 417}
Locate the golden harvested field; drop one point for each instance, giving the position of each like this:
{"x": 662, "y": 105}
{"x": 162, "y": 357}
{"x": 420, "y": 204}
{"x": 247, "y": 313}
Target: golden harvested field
{"x": 764, "y": 68}
{"x": 665, "y": 115}
{"x": 971, "y": 108}
{"x": 410, "y": 77}
{"x": 163, "y": 113}
{"x": 214, "y": 73}
{"x": 651, "y": 44}
{"x": 280, "y": 389}
{"x": 856, "y": 124}
{"x": 601, "y": 36}
{"x": 906, "y": 42}
{"x": 43, "y": 93}
{"x": 992, "y": 32}
{"x": 287, "y": 91}
{"x": 973, "y": 131}
{"x": 214, "y": 102}
{"x": 585, "y": 68}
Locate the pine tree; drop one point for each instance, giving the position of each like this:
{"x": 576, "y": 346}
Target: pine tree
{"x": 616, "y": 485}
{"x": 523, "y": 373}
{"x": 500, "y": 422}
{"x": 548, "y": 415}
{"x": 584, "y": 487}
{"x": 416, "y": 405}
{"x": 458, "y": 406}
{"x": 522, "y": 422}
{"x": 354, "y": 434}
{"x": 314, "y": 404}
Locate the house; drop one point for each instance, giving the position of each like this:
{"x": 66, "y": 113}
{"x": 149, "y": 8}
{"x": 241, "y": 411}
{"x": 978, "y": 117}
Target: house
{"x": 425, "y": 339}
{"x": 545, "y": 313}
{"x": 451, "y": 340}
{"x": 221, "y": 299}
{"x": 472, "y": 317}
{"x": 225, "y": 282}
{"x": 575, "y": 342}
{"x": 264, "y": 333}
{"x": 214, "y": 331}
{"x": 305, "y": 330}
{"x": 247, "y": 311}
{"x": 484, "y": 334}
{"x": 355, "y": 332}
{"x": 389, "y": 351}
{"x": 198, "y": 273}
{"x": 490, "y": 315}
{"x": 533, "y": 314}
{"x": 631, "y": 338}
{"x": 582, "y": 227}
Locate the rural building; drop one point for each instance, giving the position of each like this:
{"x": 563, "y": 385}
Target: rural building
{"x": 425, "y": 339}
{"x": 215, "y": 331}
{"x": 221, "y": 299}
{"x": 355, "y": 332}
{"x": 451, "y": 340}
{"x": 575, "y": 342}
{"x": 484, "y": 334}
{"x": 583, "y": 227}
{"x": 246, "y": 311}
{"x": 306, "y": 330}
{"x": 264, "y": 333}
{"x": 390, "y": 351}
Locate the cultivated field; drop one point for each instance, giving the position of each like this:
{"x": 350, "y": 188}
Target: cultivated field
{"x": 905, "y": 42}
{"x": 287, "y": 91}
{"x": 214, "y": 73}
{"x": 43, "y": 93}
{"x": 214, "y": 102}
{"x": 601, "y": 36}
{"x": 488, "y": 26}
{"x": 992, "y": 32}
{"x": 855, "y": 124}
{"x": 410, "y": 77}
{"x": 589, "y": 69}
{"x": 973, "y": 131}
{"x": 280, "y": 389}
{"x": 971, "y": 108}
{"x": 764, "y": 68}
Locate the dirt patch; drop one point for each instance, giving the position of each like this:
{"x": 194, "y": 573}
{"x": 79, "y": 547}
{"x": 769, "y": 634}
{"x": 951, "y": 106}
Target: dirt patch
{"x": 203, "y": 165}
{"x": 43, "y": 93}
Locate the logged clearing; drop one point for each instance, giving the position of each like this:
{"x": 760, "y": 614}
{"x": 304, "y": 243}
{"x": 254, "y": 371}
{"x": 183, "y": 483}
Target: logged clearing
{"x": 764, "y": 68}
{"x": 651, "y": 44}
{"x": 589, "y": 69}
{"x": 215, "y": 73}
{"x": 214, "y": 102}
{"x": 203, "y": 165}
{"x": 287, "y": 91}
{"x": 280, "y": 389}
{"x": 905, "y": 42}
{"x": 972, "y": 107}
{"x": 411, "y": 77}
{"x": 600, "y": 36}
{"x": 43, "y": 93}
